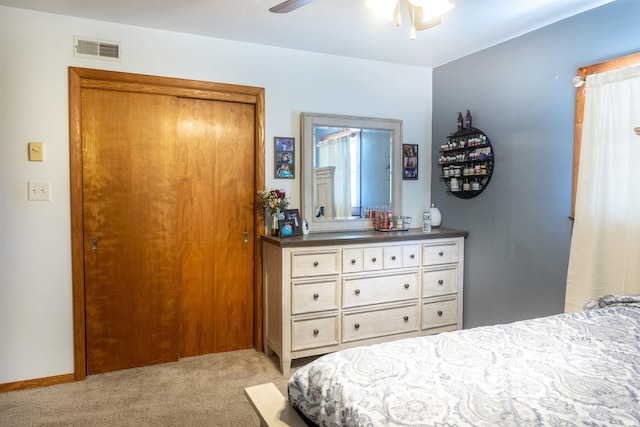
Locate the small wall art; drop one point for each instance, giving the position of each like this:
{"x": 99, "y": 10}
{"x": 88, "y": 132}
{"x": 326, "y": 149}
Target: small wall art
{"x": 284, "y": 158}
{"x": 409, "y": 161}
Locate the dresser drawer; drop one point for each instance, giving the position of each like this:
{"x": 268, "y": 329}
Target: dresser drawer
{"x": 371, "y": 324}
{"x": 312, "y": 333}
{"x": 411, "y": 256}
{"x": 372, "y": 259}
{"x": 308, "y": 264}
{"x": 392, "y": 257}
{"x": 352, "y": 260}
{"x": 440, "y": 253}
{"x": 314, "y": 296}
{"x": 441, "y": 281}
{"x": 379, "y": 289}
{"x": 440, "y": 313}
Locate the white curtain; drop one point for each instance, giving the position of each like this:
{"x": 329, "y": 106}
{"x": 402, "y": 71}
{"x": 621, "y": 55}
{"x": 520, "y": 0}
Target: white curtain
{"x": 605, "y": 246}
{"x": 336, "y": 152}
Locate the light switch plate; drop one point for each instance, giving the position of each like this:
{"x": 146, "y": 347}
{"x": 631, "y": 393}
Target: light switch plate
{"x": 40, "y": 191}
{"x": 36, "y": 153}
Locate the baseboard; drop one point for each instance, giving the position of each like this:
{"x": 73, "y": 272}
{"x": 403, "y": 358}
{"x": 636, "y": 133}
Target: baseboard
{"x": 37, "y": 382}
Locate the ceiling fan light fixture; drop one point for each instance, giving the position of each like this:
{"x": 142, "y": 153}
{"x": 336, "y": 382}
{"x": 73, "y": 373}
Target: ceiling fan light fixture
{"x": 424, "y": 14}
{"x": 432, "y": 9}
{"x": 386, "y": 9}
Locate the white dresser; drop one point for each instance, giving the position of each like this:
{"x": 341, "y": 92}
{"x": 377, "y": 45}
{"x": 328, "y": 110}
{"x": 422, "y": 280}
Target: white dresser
{"x": 330, "y": 291}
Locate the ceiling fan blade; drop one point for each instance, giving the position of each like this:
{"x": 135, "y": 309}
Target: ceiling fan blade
{"x": 289, "y": 5}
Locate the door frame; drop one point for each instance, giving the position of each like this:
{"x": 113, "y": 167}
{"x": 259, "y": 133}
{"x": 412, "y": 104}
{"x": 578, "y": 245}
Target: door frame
{"x": 81, "y": 78}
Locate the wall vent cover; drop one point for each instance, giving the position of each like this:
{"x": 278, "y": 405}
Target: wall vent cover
{"x": 93, "y": 48}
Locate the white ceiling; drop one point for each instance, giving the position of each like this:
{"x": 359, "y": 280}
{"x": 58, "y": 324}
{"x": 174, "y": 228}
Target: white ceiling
{"x": 338, "y": 27}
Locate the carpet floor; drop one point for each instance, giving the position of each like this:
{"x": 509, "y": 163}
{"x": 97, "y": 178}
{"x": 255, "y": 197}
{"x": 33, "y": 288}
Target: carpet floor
{"x": 198, "y": 391}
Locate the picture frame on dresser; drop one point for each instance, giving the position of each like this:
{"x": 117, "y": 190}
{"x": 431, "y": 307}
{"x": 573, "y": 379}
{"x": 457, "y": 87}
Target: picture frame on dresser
{"x": 286, "y": 228}
{"x": 294, "y": 216}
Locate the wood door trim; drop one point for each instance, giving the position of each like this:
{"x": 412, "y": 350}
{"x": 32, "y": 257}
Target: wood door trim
{"x": 80, "y": 78}
{"x": 172, "y": 91}
{"x": 583, "y": 72}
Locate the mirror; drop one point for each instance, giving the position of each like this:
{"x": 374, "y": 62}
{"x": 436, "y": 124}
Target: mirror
{"x": 350, "y": 165}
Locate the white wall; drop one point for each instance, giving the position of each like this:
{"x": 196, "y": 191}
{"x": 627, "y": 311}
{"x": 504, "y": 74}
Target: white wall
{"x": 36, "y": 49}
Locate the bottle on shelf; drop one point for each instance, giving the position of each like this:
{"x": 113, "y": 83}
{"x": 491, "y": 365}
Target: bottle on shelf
{"x": 460, "y": 122}
{"x": 467, "y": 121}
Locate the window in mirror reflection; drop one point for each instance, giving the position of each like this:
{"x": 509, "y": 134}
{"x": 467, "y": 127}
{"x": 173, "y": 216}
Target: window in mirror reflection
{"x": 339, "y": 156}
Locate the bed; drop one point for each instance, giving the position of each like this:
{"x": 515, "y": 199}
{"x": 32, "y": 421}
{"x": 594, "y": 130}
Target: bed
{"x": 564, "y": 370}
{"x": 575, "y": 369}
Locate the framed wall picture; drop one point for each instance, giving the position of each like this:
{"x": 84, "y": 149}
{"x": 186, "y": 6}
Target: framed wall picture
{"x": 409, "y": 161}
{"x": 284, "y": 158}
{"x": 293, "y": 215}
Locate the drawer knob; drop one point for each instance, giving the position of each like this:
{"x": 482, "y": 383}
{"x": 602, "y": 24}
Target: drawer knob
{"x": 440, "y": 253}
{"x": 440, "y": 282}
{"x": 316, "y": 296}
{"x": 353, "y": 261}
{"x": 315, "y": 264}
{"x": 406, "y": 318}
{"x": 357, "y": 291}
{"x": 412, "y": 256}
{"x": 393, "y": 258}
{"x": 440, "y": 313}
{"x": 406, "y": 286}
{"x": 357, "y": 326}
{"x": 373, "y": 259}
{"x": 315, "y": 332}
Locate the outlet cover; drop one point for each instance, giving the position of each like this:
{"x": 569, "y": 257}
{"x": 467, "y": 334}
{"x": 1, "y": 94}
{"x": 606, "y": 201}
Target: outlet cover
{"x": 40, "y": 191}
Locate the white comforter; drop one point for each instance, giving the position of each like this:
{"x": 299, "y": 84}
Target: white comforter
{"x": 580, "y": 369}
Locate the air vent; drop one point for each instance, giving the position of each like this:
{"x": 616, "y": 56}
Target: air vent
{"x": 94, "y": 48}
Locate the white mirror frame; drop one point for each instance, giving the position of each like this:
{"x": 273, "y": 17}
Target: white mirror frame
{"x": 308, "y": 121}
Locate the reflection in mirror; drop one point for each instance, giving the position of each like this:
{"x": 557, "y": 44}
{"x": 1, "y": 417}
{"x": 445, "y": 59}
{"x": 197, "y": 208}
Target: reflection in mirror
{"x": 350, "y": 165}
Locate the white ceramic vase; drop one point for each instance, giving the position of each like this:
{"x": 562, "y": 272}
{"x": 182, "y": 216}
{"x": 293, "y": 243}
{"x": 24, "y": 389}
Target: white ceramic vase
{"x": 436, "y": 216}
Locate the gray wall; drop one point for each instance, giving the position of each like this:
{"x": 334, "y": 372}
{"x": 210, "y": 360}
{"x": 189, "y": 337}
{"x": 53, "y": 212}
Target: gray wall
{"x": 521, "y": 96}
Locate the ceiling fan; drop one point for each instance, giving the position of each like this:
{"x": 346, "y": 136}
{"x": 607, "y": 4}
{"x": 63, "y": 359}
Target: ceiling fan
{"x": 289, "y": 5}
{"x": 424, "y": 14}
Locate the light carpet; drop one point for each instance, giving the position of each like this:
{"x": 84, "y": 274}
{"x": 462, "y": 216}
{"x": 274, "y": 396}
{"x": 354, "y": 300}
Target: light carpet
{"x": 198, "y": 391}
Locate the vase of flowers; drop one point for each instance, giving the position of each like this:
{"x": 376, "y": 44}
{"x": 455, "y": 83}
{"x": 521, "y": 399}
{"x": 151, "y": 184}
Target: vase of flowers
{"x": 274, "y": 202}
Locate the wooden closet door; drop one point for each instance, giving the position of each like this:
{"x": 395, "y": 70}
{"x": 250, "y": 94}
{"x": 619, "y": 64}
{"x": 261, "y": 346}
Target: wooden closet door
{"x": 130, "y": 228}
{"x": 216, "y": 203}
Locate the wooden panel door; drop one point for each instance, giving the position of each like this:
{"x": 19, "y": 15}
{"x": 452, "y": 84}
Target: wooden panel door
{"x": 130, "y": 210}
{"x": 216, "y": 199}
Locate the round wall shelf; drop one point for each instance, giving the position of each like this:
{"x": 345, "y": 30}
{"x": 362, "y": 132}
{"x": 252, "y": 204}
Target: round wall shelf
{"x": 466, "y": 163}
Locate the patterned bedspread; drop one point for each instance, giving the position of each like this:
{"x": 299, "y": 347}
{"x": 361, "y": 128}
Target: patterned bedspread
{"x": 578, "y": 369}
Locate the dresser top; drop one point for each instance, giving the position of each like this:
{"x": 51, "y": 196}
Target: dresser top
{"x": 361, "y": 236}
